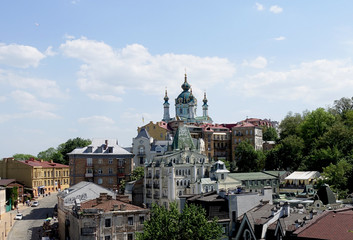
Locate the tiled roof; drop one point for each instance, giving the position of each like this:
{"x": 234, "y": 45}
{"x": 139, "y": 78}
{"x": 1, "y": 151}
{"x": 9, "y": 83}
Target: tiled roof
{"x": 5, "y": 182}
{"x": 43, "y": 164}
{"x": 108, "y": 205}
{"x": 335, "y": 225}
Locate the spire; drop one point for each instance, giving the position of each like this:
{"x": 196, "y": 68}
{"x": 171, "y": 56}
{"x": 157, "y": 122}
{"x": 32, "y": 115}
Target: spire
{"x": 204, "y": 99}
{"x": 186, "y": 86}
{"x": 166, "y": 98}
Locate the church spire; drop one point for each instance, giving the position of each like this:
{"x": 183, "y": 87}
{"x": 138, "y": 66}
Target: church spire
{"x": 166, "y": 116}
{"x": 205, "y": 106}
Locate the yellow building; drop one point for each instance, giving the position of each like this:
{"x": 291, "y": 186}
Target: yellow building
{"x": 159, "y": 130}
{"x": 39, "y": 176}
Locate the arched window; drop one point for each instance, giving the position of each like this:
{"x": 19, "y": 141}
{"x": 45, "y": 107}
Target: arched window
{"x": 206, "y": 189}
{"x": 177, "y": 182}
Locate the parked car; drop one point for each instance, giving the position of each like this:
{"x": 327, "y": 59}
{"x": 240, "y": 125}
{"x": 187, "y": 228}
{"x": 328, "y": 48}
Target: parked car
{"x": 35, "y": 204}
{"x": 18, "y": 216}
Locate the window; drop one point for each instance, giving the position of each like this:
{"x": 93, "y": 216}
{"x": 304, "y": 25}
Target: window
{"x": 110, "y": 170}
{"x": 130, "y": 236}
{"x": 222, "y": 176}
{"x": 110, "y": 161}
{"x": 107, "y": 238}
{"x": 121, "y": 170}
{"x": 121, "y": 163}
{"x": 130, "y": 220}
{"x": 142, "y": 219}
{"x": 100, "y": 171}
{"x": 89, "y": 161}
{"x": 100, "y": 181}
{"x": 100, "y": 161}
{"x": 108, "y": 222}
{"x": 110, "y": 181}
{"x": 141, "y": 160}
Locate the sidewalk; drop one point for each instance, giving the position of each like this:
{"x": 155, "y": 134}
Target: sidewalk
{"x": 7, "y": 220}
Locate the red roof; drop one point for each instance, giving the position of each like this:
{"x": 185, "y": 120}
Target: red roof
{"x": 43, "y": 164}
{"x": 244, "y": 124}
{"x": 108, "y": 205}
{"x": 335, "y": 225}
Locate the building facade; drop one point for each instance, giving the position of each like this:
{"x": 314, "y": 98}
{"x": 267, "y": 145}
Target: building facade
{"x": 176, "y": 172}
{"x": 103, "y": 162}
{"x": 37, "y": 175}
{"x": 106, "y": 218}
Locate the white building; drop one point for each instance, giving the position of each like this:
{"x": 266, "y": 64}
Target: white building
{"x": 175, "y": 173}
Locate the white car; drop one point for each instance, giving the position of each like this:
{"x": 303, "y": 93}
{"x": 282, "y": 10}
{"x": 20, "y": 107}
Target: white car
{"x": 35, "y": 204}
{"x": 18, "y": 216}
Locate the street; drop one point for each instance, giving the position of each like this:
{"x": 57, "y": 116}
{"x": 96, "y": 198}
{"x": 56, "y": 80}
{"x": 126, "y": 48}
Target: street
{"x": 33, "y": 218}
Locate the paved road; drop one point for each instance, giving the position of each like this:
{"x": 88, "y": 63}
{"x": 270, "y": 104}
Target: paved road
{"x": 32, "y": 221}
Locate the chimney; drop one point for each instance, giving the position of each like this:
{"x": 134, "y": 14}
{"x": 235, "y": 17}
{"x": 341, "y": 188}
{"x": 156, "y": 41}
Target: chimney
{"x": 99, "y": 200}
{"x": 103, "y": 196}
{"x": 115, "y": 207}
{"x": 123, "y": 207}
{"x": 312, "y": 213}
{"x": 122, "y": 198}
{"x": 109, "y": 197}
{"x": 298, "y": 223}
{"x": 286, "y": 209}
{"x": 106, "y": 144}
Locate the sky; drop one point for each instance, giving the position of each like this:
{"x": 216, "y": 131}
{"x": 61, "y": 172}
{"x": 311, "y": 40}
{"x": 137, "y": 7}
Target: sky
{"x": 99, "y": 69}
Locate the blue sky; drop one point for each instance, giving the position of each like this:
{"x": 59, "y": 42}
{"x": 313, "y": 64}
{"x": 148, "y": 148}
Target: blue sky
{"x": 94, "y": 69}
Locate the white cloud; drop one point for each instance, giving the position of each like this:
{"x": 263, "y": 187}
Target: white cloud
{"x": 69, "y": 37}
{"x": 259, "y": 62}
{"x": 30, "y": 102}
{"x": 42, "y": 87}
{"x": 106, "y": 98}
{"x": 41, "y": 115}
{"x": 96, "y": 120}
{"x": 309, "y": 82}
{"x": 281, "y": 38}
{"x": 259, "y": 7}
{"x": 276, "y": 9}
{"x": 20, "y": 56}
{"x": 50, "y": 52}
{"x": 107, "y": 71}
{"x": 3, "y": 98}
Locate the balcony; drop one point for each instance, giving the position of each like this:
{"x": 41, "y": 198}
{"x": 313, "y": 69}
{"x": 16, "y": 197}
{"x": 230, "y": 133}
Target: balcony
{"x": 148, "y": 185}
{"x": 130, "y": 228}
{"x": 156, "y": 185}
{"x": 156, "y": 176}
{"x": 156, "y": 196}
{"x": 88, "y": 175}
{"x": 149, "y": 195}
{"x": 164, "y": 196}
{"x": 88, "y": 231}
{"x": 149, "y": 176}
{"x": 141, "y": 154}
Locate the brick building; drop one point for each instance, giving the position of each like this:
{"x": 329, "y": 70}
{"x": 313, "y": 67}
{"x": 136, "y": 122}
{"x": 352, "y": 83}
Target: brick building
{"x": 103, "y": 162}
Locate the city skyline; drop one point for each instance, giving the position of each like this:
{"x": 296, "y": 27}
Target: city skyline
{"x": 99, "y": 70}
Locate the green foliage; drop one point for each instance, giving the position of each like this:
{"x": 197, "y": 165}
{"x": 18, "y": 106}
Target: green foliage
{"x": 247, "y": 159}
{"x": 137, "y": 173}
{"x": 336, "y": 175}
{"x": 70, "y": 145}
{"x": 21, "y": 156}
{"x": 170, "y": 224}
{"x": 290, "y": 125}
{"x": 14, "y": 194}
{"x": 122, "y": 186}
{"x": 51, "y": 154}
{"x": 269, "y": 134}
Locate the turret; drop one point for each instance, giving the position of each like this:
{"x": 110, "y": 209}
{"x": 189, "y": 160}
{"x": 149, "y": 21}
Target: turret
{"x": 205, "y": 106}
{"x": 166, "y": 116}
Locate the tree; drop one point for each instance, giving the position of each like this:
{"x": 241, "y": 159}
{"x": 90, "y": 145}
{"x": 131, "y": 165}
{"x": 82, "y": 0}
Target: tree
{"x": 290, "y": 125}
{"x": 170, "y": 224}
{"x": 336, "y": 175}
{"x": 269, "y": 134}
{"x": 51, "y": 154}
{"x": 247, "y": 159}
{"x": 288, "y": 154}
{"x": 137, "y": 173}
{"x": 70, "y": 145}
{"x": 315, "y": 125}
{"x": 21, "y": 156}
{"x": 343, "y": 105}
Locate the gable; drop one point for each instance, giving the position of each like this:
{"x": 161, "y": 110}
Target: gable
{"x": 245, "y": 231}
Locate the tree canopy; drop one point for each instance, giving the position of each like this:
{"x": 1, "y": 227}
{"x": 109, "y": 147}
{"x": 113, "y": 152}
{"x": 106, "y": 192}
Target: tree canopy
{"x": 247, "y": 159}
{"x": 170, "y": 224}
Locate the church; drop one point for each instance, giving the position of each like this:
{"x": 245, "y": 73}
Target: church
{"x": 186, "y": 106}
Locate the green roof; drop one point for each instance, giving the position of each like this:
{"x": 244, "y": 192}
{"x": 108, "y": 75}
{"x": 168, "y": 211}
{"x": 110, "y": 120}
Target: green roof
{"x": 182, "y": 139}
{"x": 251, "y": 176}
